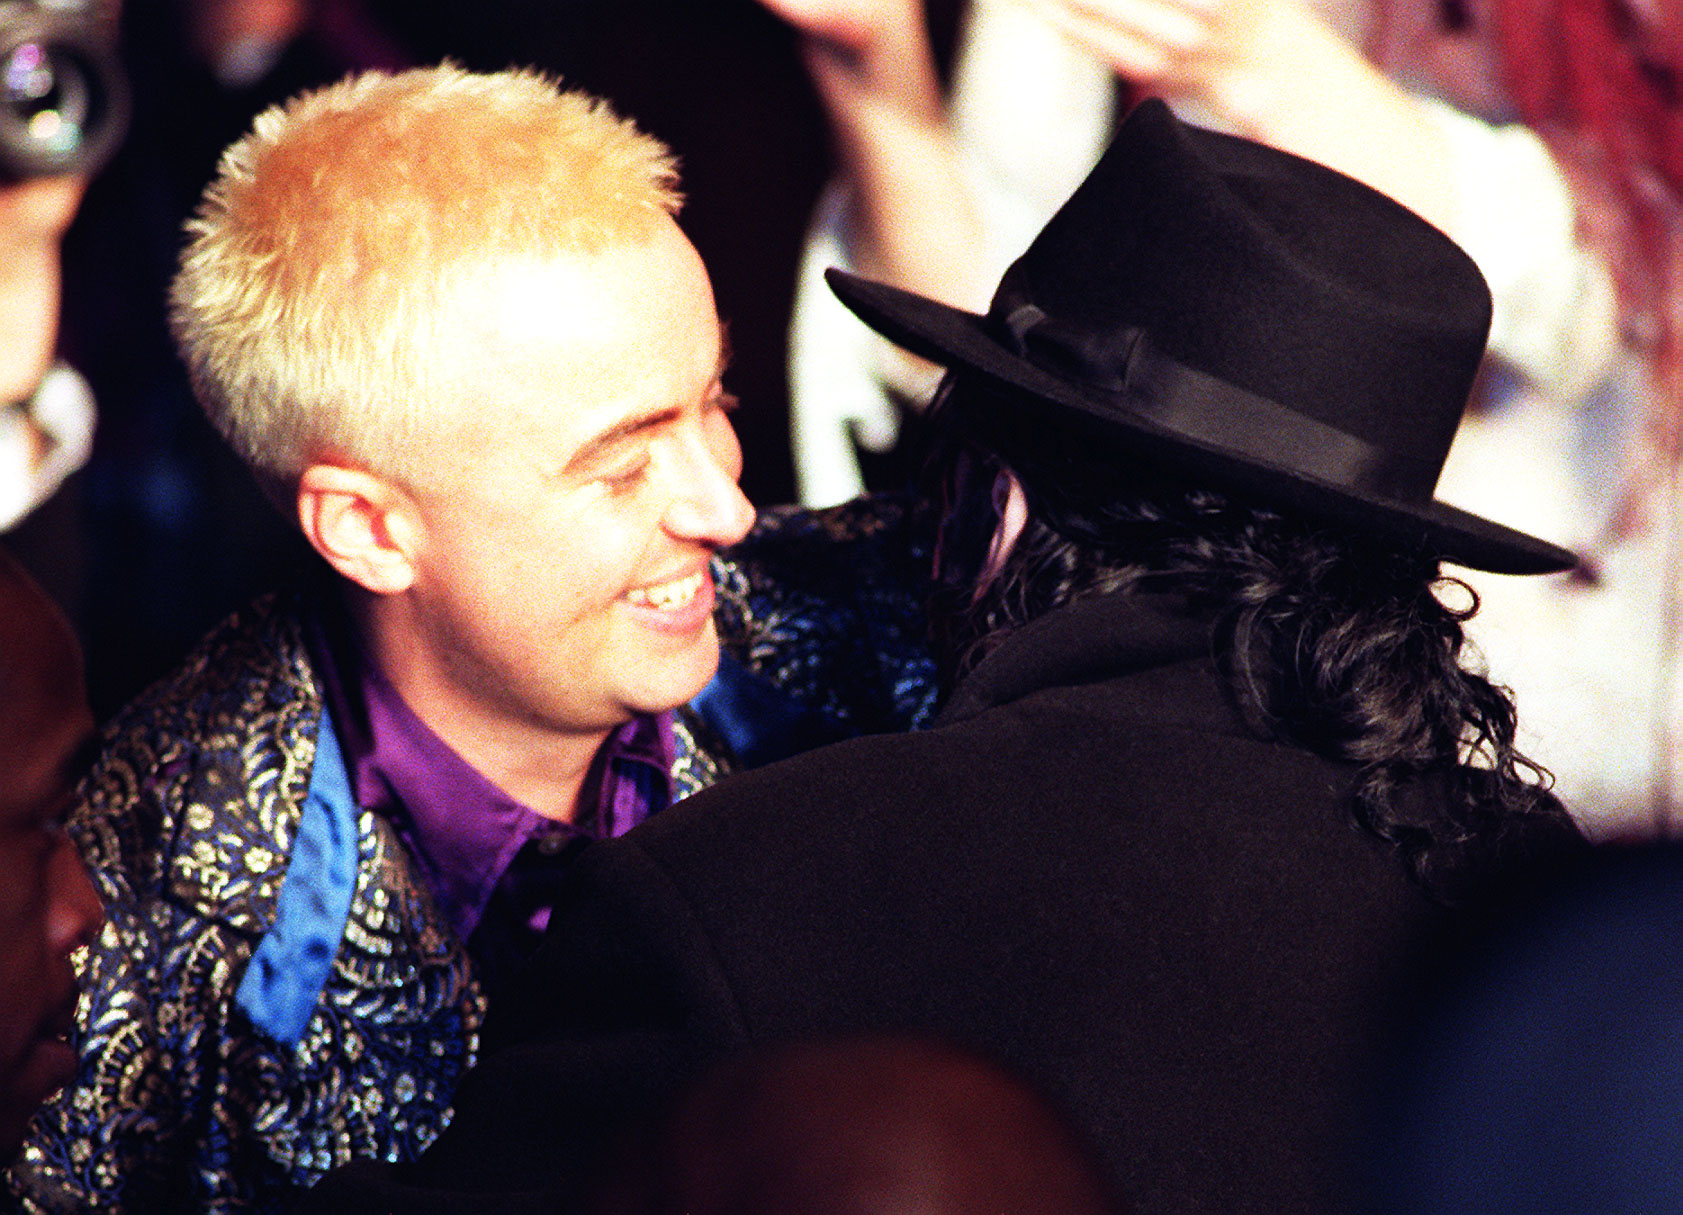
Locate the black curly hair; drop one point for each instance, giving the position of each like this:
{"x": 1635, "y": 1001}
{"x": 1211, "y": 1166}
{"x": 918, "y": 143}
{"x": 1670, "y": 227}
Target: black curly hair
{"x": 1348, "y": 646}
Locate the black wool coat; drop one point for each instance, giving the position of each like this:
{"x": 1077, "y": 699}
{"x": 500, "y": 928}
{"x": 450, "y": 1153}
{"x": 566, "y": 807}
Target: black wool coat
{"x": 1090, "y": 870}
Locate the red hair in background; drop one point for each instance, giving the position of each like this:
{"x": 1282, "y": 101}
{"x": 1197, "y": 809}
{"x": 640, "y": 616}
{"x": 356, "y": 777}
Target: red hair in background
{"x": 1599, "y": 81}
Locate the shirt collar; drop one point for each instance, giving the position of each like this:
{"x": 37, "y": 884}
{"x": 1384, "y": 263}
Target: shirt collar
{"x": 463, "y": 830}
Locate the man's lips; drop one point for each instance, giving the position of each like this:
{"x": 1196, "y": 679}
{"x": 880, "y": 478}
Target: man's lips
{"x": 679, "y": 607}
{"x": 669, "y": 596}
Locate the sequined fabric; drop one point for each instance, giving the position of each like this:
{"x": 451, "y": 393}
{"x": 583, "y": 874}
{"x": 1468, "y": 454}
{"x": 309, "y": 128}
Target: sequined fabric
{"x": 187, "y": 824}
{"x": 829, "y": 607}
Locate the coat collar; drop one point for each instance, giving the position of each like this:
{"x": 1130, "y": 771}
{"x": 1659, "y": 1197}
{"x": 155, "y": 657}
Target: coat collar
{"x": 240, "y": 719}
{"x": 1091, "y": 639}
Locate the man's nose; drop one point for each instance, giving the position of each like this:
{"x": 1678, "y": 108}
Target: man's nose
{"x": 76, "y": 911}
{"x": 709, "y": 507}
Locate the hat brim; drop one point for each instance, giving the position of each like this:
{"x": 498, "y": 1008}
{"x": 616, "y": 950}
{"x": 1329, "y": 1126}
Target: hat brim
{"x": 964, "y": 341}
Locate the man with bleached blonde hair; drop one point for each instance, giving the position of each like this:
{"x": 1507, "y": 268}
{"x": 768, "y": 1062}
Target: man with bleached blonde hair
{"x": 449, "y": 321}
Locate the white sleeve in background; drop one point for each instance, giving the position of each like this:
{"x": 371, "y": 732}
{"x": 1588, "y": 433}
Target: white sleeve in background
{"x": 1031, "y": 114}
{"x": 835, "y": 387}
{"x": 62, "y": 410}
{"x": 1556, "y": 317}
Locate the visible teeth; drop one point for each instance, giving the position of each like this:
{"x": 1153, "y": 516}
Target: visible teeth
{"x": 668, "y": 597}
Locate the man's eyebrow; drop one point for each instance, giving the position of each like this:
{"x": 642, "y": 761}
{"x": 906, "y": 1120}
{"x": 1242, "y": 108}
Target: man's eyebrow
{"x": 596, "y": 444}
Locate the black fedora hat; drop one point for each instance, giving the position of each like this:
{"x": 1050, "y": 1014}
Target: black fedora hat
{"x": 1246, "y": 317}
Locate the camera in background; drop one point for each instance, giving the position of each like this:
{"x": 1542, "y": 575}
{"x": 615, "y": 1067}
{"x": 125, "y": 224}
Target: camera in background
{"x": 63, "y": 98}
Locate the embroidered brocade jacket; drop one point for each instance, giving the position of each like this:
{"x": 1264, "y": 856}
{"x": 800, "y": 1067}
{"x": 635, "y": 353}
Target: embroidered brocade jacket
{"x": 273, "y": 992}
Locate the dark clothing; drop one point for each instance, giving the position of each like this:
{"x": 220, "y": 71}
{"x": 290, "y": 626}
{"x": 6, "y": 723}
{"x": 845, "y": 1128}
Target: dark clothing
{"x": 1543, "y": 1073}
{"x": 1089, "y": 870}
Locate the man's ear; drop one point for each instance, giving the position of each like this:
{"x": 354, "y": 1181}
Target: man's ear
{"x": 364, "y": 526}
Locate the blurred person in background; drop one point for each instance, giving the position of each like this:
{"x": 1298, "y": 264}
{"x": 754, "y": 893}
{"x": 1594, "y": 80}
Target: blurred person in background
{"x": 63, "y": 110}
{"x": 47, "y": 905}
{"x": 46, "y": 426}
{"x": 1600, "y": 81}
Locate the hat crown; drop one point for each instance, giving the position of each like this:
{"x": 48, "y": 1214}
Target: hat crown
{"x": 1264, "y": 271}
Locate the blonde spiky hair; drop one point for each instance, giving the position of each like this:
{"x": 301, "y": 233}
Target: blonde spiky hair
{"x": 313, "y": 302}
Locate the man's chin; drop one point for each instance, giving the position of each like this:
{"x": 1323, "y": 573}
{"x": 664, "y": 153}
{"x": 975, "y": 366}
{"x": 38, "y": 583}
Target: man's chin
{"x": 680, "y": 680}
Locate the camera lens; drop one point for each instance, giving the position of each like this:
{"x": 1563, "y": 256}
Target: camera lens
{"x": 60, "y": 108}
{"x": 45, "y": 100}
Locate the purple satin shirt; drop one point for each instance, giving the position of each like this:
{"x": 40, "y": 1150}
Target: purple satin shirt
{"x": 494, "y": 864}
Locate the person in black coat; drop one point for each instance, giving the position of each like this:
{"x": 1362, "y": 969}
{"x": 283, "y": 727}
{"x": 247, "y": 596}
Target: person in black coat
{"x": 1210, "y": 766}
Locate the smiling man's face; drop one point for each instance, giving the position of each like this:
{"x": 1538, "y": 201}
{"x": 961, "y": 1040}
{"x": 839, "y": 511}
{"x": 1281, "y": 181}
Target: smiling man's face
{"x": 562, "y": 563}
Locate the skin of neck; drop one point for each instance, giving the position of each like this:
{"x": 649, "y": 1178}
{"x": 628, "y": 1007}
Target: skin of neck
{"x": 533, "y": 762}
